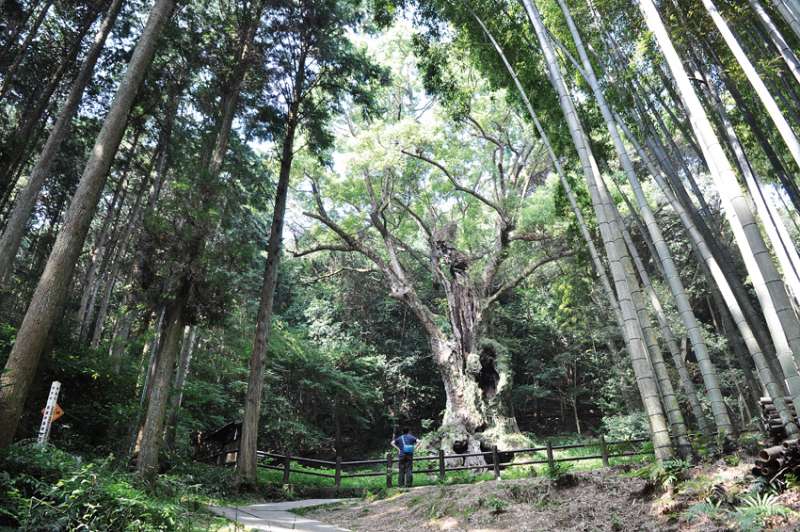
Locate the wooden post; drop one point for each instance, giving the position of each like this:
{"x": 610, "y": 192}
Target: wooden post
{"x": 495, "y": 462}
{"x": 389, "y": 470}
{"x": 604, "y": 450}
{"x": 550, "y": 462}
{"x": 338, "y": 474}
{"x": 441, "y": 465}
{"x": 287, "y": 460}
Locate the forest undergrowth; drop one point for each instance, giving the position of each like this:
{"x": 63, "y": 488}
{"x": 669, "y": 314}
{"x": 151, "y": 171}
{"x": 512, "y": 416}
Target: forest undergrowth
{"x": 47, "y": 487}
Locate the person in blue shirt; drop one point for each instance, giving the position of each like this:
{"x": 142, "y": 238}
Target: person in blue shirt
{"x": 405, "y": 444}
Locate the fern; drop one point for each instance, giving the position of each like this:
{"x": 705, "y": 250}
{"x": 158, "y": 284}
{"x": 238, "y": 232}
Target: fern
{"x": 756, "y": 508}
{"x": 712, "y": 510}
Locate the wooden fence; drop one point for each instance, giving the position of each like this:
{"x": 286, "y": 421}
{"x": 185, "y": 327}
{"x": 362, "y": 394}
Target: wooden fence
{"x": 496, "y": 461}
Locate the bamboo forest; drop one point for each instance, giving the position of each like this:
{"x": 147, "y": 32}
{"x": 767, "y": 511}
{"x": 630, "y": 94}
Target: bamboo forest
{"x": 390, "y": 265}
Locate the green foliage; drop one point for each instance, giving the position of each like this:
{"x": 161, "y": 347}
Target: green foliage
{"x": 756, "y": 508}
{"x": 792, "y": 481}
{"x": 707, "y": 508}
{"x": 46, "y": 488}
{"x": 732, "y": 460}
{"x": 666, "y": 474}
{"x": 495, "y": 504}
{"x": 625, "y": 426}
{"x": 558, "y": 470}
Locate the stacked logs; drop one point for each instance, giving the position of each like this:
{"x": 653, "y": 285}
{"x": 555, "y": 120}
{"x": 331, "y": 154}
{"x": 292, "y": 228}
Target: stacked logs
{"x": 783, "y": 456}
{"x": 778, "y": 460}
{"x": 771, "y": 421}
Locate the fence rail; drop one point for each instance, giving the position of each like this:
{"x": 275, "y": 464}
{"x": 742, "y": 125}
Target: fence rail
{"x": 496, "y": 460}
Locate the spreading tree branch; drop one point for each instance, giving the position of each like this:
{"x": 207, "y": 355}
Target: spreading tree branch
{"x": 474, "y": 193}
{"x": 322, "y": 247}
{"x": 524, "y": 274}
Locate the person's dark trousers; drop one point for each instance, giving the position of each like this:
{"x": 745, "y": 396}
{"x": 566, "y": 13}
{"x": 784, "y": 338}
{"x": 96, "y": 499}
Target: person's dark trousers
{"x": 406, "y": 463}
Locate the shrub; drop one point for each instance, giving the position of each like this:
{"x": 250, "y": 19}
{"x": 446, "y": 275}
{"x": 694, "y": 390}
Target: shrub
{"x": 47, "y": 489}
{"x": 626, "y": 427}
{"x": 496, "y": 505}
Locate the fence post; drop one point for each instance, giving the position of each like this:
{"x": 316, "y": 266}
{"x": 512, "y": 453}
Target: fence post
{"x": 550, "y": 462}
{"x": 441, "y": 465}
{"x": 495, "y": 462}
{"x": 604, "y": 450}
{"x": 287, "y": 460}
{"x": 338, "y": 474}
{"x": 389, "y": 470}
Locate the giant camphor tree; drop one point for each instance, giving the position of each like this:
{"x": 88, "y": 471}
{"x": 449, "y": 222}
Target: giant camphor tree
{"x": 425, "y": 206}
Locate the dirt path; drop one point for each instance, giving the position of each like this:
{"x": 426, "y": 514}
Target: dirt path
{"x": 278, "y": 516}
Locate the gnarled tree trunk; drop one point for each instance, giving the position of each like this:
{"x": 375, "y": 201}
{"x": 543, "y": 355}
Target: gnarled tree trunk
{"x": 477, "y": 379}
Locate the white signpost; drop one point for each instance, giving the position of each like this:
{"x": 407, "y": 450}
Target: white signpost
{"x": 47, "y": 418}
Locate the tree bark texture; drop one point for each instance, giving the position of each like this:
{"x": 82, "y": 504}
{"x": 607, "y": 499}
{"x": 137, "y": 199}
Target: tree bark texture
{"x": 26, "y": 198}
{"x": 48, "y": 299}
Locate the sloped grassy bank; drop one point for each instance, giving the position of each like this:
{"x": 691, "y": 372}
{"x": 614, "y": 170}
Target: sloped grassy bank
{"x": 719, "y": 494}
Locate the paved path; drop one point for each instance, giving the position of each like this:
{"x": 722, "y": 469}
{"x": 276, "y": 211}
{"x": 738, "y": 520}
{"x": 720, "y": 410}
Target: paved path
{"x": 277, "y": 516}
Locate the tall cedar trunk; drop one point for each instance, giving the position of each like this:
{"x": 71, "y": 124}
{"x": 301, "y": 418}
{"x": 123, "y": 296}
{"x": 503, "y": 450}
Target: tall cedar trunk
{"x": 143, "y": 248}
{"x": 187, "y": 350}
{"x": 147, "y": 370}
{"x": 15, "y": 151}
{"x": 16, "y": 172}
{"x": 26, "y": 198}
{"x": 122, "y": 332}
{"x": 116, "y": 258}
{"x": 102, "y": 311}
{"x": 12, "y": 69}
{"x": 663, "y": 253}
{"x": 48, "y": 300}
{"x": 90, "y": 284}
{"x": 246, "y": 460}
{"x": 704, "y": 254}
{"x": 246, "y": 467}
{"x": 153, "y": 427}
{"x": 612, "y": 241}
